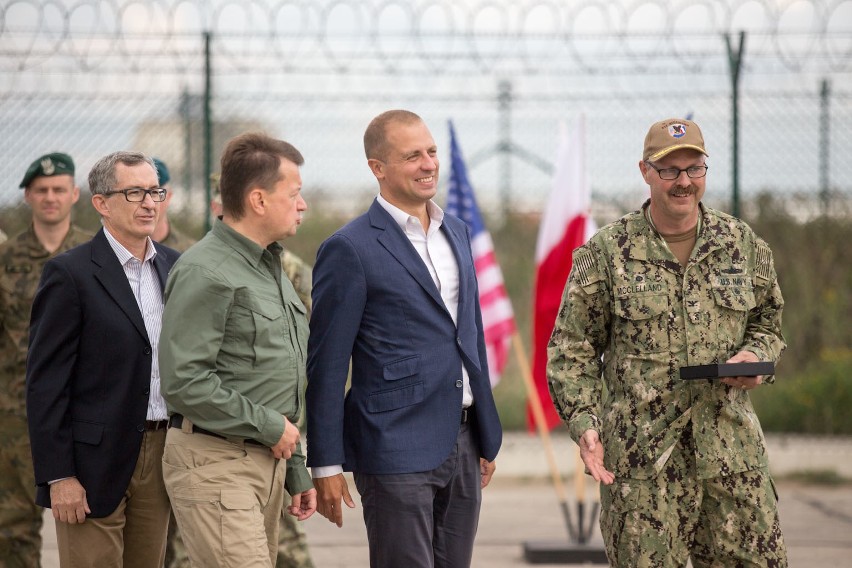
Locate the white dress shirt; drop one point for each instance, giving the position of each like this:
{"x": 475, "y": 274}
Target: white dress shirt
{"x": 146, "y": 289}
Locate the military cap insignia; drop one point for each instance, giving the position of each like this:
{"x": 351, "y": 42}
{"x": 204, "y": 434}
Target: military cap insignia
{"x": 47, "y": 167}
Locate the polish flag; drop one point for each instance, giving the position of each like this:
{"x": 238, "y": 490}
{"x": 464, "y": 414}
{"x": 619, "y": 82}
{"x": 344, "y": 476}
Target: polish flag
{"x": 566, "y": 224}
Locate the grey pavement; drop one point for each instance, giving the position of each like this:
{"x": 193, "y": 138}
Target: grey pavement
{"x": 521, "y": 506}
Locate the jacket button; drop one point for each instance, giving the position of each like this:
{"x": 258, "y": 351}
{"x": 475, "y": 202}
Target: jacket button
{"x": 140, "y": 428}
{"x": 147, "y": 351}
{"x": 458, "y": 340}
{"x": 459, "y": 384}
{"x": 146, "y": 392}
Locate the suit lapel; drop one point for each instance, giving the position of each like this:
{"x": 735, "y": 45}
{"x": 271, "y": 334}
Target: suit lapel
{"x": 160, "y": 265}
{"x": 111, "y": 275}
{"x": 459, "y": 244}
{"x": 397, "y": 244}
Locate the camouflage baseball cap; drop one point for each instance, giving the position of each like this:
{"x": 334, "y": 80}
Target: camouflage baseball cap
{"x": 163, "y": 176}
{"x": 672, "y": 134}
{"x": 55, "y": 164}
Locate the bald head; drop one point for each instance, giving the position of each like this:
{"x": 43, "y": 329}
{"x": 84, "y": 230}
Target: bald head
{"x": 375, "y": 137}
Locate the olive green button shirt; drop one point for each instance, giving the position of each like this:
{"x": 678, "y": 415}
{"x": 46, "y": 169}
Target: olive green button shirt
{"x": 234, "y": 342}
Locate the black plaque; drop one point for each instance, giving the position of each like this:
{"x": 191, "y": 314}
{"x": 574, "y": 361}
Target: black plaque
{"x": 719, "y": 370}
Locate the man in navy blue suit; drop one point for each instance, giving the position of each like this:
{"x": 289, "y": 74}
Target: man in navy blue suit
{"x": 395, "y": 292}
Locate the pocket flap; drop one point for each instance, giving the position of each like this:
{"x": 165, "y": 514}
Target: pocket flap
{"x": 402, "y": 368}
{"x": 734, "y": 298}
{"x": 396, "y": 398}
{"x": 262, "y": 307}
{"x": 641, "y": 307}
{"x": 237, "y": 500}
{"x": 87, "y": 432}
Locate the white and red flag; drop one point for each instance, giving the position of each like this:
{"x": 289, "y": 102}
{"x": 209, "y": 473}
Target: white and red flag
{"x": 566, "y": 224}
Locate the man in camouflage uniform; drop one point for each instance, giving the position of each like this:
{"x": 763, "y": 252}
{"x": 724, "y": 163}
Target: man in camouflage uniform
{"x": 683, "y": 464}
{"x": 164, "y": 233}
{"x": 50, "y": 192}
{"x": 292, "y": 542}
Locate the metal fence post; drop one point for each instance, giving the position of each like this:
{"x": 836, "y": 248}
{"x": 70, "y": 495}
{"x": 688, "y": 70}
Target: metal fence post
{"x": 824, "y": 145}
{"x": 735, "y": 60}
{"x": 208, "y": 132}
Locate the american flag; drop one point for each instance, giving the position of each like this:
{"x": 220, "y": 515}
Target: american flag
{"x": 497, "y": 316}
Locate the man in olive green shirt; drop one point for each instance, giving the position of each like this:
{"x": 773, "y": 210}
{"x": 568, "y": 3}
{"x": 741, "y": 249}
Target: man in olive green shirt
{"x": 232, "y": 356}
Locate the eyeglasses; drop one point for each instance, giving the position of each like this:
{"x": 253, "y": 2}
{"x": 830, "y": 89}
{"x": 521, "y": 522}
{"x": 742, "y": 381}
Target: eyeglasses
{"x": 137, "y": 194}
{"x": 674, "y": 173}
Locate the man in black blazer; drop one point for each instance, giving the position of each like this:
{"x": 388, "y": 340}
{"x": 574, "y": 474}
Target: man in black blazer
{"x": 96, "y": 418}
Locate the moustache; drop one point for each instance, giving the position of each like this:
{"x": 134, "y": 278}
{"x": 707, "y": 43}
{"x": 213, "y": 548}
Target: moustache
{"x": 688, "y": 190}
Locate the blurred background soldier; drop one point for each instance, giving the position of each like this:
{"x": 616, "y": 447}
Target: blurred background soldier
{"x": 50, "y": 192}
{"x": 165, "y": 233}
{"x": 292, "y": 542}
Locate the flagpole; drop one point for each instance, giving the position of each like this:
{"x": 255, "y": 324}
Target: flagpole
{"x": 544, "y": 433}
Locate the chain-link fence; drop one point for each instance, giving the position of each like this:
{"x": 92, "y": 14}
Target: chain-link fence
{"x": 92, "y": 77}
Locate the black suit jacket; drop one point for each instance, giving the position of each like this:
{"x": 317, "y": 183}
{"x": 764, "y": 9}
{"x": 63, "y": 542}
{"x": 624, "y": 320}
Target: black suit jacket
{"x": 88, "y": 373}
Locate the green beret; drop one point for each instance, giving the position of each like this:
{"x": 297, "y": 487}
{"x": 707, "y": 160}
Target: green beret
{"x": 55, "y": 164}
{"x": 163, "y": 176}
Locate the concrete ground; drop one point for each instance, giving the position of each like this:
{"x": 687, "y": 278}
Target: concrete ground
{"x": 520, "y": 506}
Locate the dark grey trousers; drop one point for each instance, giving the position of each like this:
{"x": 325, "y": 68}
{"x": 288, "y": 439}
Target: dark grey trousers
{"x": 426, "y": 519}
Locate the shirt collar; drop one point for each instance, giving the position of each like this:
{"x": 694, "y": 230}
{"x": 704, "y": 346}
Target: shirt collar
{"x": 246, "y": 247}
{"x": 124, "y": 255}
{"x": 436, "y": 214}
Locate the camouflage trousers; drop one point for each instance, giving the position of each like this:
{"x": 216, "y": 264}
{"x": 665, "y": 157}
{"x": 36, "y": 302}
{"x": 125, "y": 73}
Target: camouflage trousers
{"x": 20, "y": 517}
{"x": 727, "y": 521}
{"x": 292, "y": 546}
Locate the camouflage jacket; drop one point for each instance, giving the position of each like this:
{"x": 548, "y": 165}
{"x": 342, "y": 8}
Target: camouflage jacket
{"x": 299, "y": 273}
{"x": 22, "y": 259}
{"x": 633, "y": 316}
{"x": 177, "y": 240}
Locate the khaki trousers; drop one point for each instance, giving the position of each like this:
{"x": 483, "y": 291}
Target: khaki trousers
{"x": 132, "y": 536}
{"x": 227, "y": 499}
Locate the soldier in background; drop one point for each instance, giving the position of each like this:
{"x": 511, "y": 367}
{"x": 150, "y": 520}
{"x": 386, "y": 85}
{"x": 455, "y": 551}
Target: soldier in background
{"x": 683, "y": 465}
{"x": 165, "y": 233}
{"x": 50, "y": 192}
{"x": 292, "y": 543}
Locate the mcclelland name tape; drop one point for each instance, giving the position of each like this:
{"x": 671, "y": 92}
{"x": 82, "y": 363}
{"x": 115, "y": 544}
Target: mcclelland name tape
{"x": 718, "y": 370}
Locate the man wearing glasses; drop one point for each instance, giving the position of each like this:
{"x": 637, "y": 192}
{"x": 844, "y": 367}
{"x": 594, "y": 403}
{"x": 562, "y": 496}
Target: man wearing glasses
{"x": 50, "y": 193}
{"x": 683, "y": 464}
{"x": 97, "y": 421}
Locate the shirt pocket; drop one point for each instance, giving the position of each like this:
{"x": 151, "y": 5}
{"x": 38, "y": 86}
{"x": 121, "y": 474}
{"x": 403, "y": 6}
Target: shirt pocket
{"x": 733, "y": 304}
{"x": 644, "y": 325}
{"x": 263, "y": 326}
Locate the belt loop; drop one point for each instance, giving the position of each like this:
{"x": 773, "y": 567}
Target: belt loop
{"x": 186, "y": 426}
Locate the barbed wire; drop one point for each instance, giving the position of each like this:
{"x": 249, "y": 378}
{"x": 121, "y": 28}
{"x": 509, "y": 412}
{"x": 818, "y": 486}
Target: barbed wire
{"x": 450, "y": 37}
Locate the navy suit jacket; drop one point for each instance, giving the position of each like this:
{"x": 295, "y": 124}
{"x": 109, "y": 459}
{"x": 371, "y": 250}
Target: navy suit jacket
{"x": 89, "y": 373}
{"x": 375, "y": 302}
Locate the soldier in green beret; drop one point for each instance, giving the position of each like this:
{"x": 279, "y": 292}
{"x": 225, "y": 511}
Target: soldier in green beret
{"x": 683, "y": 465}
{"x": 292, "y": 542}
{"x": 50, "y": 192}
{"x": 165, "y": 233}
